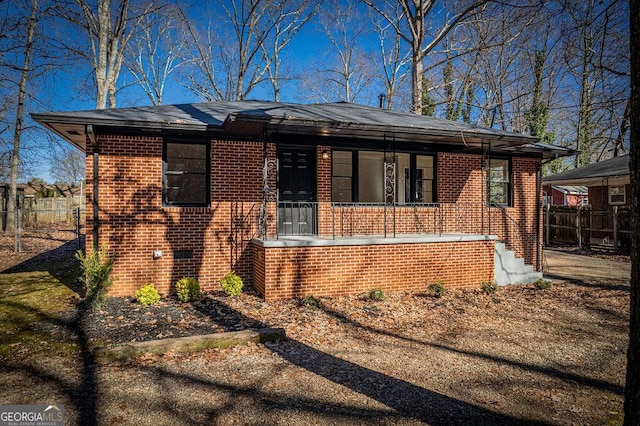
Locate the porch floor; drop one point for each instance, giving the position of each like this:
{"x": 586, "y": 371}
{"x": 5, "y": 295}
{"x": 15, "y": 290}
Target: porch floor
{"x": 363, "y": 240}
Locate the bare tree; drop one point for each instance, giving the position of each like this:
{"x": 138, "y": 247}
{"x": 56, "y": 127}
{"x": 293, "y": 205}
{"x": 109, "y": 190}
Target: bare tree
{"x": 344, "y": 73}
{"x": 154, "y": 52}
{"x": 226, "y": 60}
{"x": 69, "y": 167}
{"x": 426, "y": 23}
{"x": 290, "y": 17}
{"x": 17, "y": 133}
{"x": 392, "y": 61}
{"x": 109, "y": 26}
{"x": 593, "y": 32}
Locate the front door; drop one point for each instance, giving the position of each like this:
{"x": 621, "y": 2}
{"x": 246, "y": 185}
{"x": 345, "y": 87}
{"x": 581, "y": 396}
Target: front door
{"x": 297, "y": 187}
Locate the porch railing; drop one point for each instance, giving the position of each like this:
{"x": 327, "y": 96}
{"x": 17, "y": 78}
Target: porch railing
{"x": 377, "y": 219}
{"x": 334, "y": 220}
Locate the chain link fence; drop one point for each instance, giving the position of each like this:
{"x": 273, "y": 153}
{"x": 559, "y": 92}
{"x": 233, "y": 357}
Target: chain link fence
{"x": 32, "y": 228}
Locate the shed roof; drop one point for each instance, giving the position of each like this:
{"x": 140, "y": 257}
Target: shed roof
{"x": 593, "y": 174}
{"x": 252, "y": 119}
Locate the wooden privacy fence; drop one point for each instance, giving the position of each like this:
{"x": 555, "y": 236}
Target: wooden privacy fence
{"x": 50, "y": 210}
{"x": 587, "y": 227}
{"x": 34, "y": 212}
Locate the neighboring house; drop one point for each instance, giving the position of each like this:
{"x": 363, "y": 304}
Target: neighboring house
{"x": 608, "y": 182}
{"x": 324, "y": 199}
{"x": 607, "y": 222}
{"x": 565, "y": 195}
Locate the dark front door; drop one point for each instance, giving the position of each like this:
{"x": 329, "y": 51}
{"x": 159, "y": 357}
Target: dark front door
{"x": 297, "y": 187}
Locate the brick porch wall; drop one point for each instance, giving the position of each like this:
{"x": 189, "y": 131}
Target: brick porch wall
{"x": 286, "y": 272}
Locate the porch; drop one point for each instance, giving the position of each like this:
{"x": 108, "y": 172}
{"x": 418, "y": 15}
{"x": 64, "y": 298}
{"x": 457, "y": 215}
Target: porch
{"x": 375, "y": 221}
{"x": 316, "y": 248}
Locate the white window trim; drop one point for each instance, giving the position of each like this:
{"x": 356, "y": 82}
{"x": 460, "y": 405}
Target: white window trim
{"x": 624, "y": 195}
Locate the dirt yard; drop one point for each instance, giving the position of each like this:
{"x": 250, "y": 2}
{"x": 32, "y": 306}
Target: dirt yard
{"x": 520, "y": 356}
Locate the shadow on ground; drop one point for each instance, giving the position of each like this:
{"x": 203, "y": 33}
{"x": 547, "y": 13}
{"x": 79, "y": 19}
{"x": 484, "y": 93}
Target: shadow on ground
{"x": 406, "y": 399}
{"x": 59, "y": 262}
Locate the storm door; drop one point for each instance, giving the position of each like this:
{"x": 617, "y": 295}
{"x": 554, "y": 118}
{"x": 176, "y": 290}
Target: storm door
{"x": 297, "y": 210}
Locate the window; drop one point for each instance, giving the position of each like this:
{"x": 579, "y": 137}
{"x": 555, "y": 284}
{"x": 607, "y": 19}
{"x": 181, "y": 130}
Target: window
{"x": 422, "y": 191}
{"x": 186, "y": 174}
{"x": 370, "y": 177}
{"x": 358, "y": 176}
{"x": 342, "y": 177}
{"x": 500, "y": 182}
{"x": 617, "y": 194}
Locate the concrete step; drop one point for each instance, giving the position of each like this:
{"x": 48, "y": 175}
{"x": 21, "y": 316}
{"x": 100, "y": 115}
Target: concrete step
{"x": 510, "y": 269}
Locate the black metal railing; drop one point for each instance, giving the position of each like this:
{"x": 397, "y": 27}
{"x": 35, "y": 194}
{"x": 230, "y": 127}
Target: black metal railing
{"x": 334, "y": 220}
{"x": 377, "y": 219}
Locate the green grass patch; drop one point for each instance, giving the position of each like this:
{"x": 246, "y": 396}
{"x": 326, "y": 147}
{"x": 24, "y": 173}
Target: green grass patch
{"x": 27, "y": 298}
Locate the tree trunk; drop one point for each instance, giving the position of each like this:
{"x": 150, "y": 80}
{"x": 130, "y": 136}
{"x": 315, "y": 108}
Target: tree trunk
{"x": 104, "y": 27}
{"x": 632, "y": 388}
{"x": 15, "y": 159}
{"x": 416, "y": 80}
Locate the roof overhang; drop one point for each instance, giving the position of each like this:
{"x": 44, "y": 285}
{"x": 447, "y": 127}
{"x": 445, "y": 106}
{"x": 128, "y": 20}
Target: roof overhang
{"x": 592, "y": 181}
{"x": 257, "y": 120}
{"x": 614, "y": 171}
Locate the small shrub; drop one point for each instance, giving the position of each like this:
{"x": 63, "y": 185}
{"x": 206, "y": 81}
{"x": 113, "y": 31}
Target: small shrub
{"x": 147, "y": 295}
{"x": 310, "y": 302}
{"x": 489, "y": 287}
{"x": 542, "y": 284}
{"x": 437, "y": 289}
{"x": 376, "y": 294}
{"x": 232, "y": 284}
{"x": 96, "y": 267}
{"x": 187, "y": 289}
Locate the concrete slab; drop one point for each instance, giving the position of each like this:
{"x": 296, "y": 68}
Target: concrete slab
{"x": 316, "y": 241}
{"x": 567, "y": 266}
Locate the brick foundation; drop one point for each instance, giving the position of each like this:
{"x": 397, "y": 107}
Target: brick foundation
{"x": 338, "y": 270}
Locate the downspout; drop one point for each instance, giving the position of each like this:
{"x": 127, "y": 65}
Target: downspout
{"x": 538, "y": 207}
{"x": 483, "y": 188}
{"x": 487, "y": 193}
{"x": 95, "y": 148}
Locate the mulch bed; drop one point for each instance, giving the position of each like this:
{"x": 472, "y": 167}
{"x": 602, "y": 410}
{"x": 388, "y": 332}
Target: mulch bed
{"x": 123, "y": 320}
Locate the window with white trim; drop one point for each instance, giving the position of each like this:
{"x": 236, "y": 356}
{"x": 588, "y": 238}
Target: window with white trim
{"x": 500, "y": 182}
{"x": 617, "y": 195}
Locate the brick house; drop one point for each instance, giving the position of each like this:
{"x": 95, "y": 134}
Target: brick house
{"x": 324, "y": 199}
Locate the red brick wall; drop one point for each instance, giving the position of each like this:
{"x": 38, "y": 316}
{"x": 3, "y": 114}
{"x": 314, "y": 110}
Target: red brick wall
{"x": 461, "y": 180}
{"x": 134, "y": 223}
{"x": 341, "y": 270}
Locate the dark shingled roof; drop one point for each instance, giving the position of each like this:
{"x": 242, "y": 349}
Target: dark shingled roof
{"x": 615, "y": 167}
{"x": 253, "y": 118}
